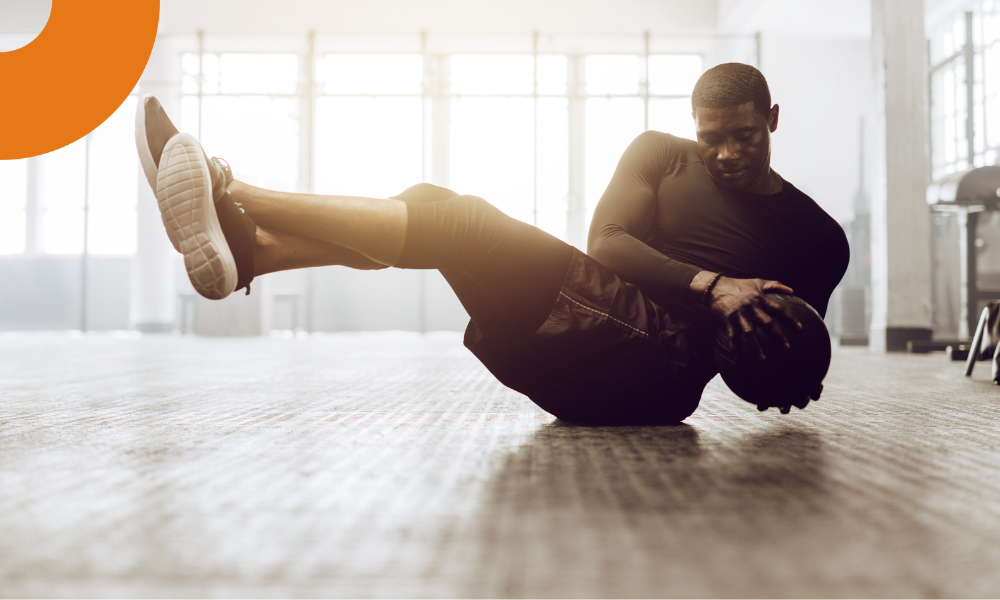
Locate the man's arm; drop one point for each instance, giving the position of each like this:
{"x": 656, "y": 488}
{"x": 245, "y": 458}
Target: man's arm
{"x": 624, "y": 215}
{"x": 828, "y": 260}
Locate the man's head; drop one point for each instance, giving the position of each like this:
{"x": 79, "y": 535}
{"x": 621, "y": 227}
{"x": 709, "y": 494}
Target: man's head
{"x": 734, "y": 119}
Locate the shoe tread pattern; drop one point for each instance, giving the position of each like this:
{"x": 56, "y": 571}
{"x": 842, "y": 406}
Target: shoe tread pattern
{"x": 184, "y": 194}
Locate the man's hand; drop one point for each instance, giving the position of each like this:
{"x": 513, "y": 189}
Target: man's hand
{"x": 739, "y": 304}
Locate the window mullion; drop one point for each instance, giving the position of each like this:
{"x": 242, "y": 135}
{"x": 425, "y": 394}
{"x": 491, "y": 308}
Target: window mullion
{"x": 33, "y": 208}
{"x": 576, "y": 210}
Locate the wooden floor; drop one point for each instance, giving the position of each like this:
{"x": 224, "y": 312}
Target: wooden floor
{"x": 394, "y": 465}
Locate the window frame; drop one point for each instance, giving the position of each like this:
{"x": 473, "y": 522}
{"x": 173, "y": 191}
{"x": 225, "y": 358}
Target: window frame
{"x": 437, "y": 51}
{"x": 962, "y": 64}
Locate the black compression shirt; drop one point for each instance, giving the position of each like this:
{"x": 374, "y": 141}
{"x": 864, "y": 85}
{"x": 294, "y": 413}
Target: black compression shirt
{"x": 663, "y": 219}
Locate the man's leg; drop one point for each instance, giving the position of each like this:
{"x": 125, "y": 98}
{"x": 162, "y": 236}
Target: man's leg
{"x": 481, "y": 308}
{"x": 275, "y": 250}
{"x": 204, "y": 213}
{"x": 517, "y": 267}
{"x": 373, "y": 227}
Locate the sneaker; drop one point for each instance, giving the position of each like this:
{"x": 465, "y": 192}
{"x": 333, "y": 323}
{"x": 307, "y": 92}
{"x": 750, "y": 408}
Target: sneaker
{"x": 213, "y": 233}
{"x": 153, "y": 129}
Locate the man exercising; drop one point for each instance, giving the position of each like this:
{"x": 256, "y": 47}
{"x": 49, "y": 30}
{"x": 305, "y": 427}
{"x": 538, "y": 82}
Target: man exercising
{"x": 546, "y": 319}
{"x": 682, "y": 217}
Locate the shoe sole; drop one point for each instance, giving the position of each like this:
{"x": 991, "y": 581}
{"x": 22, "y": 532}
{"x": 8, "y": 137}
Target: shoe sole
{"x": 145, "y": 156}
{"x": 184, "y": 195}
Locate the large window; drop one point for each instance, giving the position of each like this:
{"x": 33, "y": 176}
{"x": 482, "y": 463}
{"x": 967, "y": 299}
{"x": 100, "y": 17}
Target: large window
{"x": 627, "y": 97}
{"x": 494, "y": 125}
{"x": 369, "y": 124}
{"x": 13, "y": 202}
{"x": 246, "y": 110}
{"x": 965, "y": 90}
{"x": 87, "y": 190}
{"x": 504, "y": 126}
{"x": 508, "y": 134}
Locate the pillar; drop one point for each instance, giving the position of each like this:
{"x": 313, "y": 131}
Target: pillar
{"x": 900, "y": 219}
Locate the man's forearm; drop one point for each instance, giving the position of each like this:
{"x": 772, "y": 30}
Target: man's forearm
{"x": 660, "y": 277}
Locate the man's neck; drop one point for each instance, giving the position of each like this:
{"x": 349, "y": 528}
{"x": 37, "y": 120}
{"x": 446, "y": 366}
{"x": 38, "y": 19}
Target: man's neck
{"x": 769, "y": 183}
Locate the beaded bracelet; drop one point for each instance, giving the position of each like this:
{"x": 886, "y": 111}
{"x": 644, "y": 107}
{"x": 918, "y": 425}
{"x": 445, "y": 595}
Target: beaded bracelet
{"x": 708, "y": 290}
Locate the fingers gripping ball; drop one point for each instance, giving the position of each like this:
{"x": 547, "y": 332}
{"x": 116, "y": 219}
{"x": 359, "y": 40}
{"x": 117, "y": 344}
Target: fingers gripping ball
{"x": 787, "y": 377}
{"x": 75, "y": 74}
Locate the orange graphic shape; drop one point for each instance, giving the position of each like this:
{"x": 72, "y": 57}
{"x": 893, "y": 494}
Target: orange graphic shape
{"x": 75, "y": 74}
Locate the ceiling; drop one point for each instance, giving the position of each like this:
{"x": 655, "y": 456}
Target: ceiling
{"x": 812, "y": 18}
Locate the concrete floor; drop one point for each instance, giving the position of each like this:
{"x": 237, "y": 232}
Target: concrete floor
{"x": 394, "y": 465}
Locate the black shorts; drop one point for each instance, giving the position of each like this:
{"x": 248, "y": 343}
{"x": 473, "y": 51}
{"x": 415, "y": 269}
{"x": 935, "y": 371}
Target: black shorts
{"x": 605, "y": 353}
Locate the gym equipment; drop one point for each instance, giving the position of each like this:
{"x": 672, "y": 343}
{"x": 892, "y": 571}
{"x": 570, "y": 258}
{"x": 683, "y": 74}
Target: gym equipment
{"x": 967, "y": 194}
{"x": 988, "y": 333}
{"x": 786, "y": 377}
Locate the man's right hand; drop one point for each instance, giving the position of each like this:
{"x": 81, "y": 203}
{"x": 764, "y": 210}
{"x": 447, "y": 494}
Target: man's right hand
{"x": 741, "y": 303}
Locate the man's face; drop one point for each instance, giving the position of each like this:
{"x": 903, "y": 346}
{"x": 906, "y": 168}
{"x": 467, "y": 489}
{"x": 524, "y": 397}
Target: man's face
{"x": 735, "y": 143}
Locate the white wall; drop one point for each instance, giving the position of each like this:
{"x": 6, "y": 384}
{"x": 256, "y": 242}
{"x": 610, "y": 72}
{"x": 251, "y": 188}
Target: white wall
{"x": 816, "y": 57}
{"x": 824, "y": 88}
{"x": 436, "y": 16}
{"x": 812, "y": 18}
{"x": 403, "y": 16}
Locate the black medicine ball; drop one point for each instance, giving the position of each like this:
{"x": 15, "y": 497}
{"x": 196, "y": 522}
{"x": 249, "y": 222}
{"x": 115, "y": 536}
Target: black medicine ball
{"x": 786, "y": 376}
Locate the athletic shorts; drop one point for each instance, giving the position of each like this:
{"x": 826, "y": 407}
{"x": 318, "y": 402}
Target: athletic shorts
{"x": 605, "y": 353}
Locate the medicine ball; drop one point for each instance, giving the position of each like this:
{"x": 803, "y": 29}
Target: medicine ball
{"x": 786, "y": 377}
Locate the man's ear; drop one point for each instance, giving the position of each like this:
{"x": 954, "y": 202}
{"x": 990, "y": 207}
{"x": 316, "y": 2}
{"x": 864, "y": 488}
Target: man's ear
{"x": 772, "y": 118}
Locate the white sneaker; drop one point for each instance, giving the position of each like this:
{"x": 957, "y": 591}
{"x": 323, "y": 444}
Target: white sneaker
{"x": 184, "y": 196}
{"x": 153, "y": 129}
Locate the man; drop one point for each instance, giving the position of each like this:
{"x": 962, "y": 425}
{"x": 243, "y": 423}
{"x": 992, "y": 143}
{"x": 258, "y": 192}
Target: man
{"x": 546, "y": 319}
{"x": 678, "y": 213}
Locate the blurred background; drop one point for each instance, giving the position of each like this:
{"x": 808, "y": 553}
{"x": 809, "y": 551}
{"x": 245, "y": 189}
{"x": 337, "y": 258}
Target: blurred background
{"x": 528, "y": 104}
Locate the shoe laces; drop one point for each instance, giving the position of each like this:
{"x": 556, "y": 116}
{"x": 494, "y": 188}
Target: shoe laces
{"x": 224, "y": 176}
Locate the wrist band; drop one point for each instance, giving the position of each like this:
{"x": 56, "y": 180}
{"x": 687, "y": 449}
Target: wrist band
{"x": 708, "y": 290}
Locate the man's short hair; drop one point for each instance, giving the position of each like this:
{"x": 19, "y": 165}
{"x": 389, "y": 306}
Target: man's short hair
{"x": 732, "y": 84}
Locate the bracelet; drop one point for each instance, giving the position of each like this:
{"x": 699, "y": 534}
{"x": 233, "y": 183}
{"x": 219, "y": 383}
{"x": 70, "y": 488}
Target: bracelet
{"x": 708, "y": 290}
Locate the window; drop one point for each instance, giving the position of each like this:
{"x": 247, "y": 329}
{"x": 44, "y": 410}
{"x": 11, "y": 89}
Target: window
{"x": 952, "y": 92}
{"x": 64, "y": 176}
{"x": 508, "y": 140}
{"x": 113, "y": 184}
{"x": 612, "y": 123}
{"x": 494, "y": 125}
{"x": 104, "y": 180}
{"x": 247, "y": 113}
{"x": 369, "y": 124}
{"x": 13, "y": 203}
{"x": 618, "y": 110}
{"x": 74, "y": 187}
{"x": 671, "y": 80}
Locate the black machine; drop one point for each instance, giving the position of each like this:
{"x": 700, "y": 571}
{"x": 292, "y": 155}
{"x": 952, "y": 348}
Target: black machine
{"x": 966, "y": 219}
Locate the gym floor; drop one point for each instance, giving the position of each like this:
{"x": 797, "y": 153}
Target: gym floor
{"x": 373, "y": 465}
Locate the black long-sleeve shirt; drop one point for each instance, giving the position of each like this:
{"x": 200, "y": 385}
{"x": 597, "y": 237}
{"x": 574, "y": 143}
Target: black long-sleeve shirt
{"x": 663, "y": 219}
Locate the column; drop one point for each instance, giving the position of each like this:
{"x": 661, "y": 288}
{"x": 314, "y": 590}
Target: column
{"x": 900, "y": 219}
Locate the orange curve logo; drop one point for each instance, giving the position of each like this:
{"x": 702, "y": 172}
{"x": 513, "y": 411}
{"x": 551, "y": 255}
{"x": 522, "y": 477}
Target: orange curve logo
{"x": 75, "y": 74}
